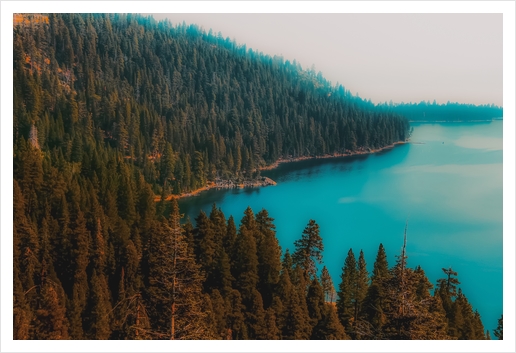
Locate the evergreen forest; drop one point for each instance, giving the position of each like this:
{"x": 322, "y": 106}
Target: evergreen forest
{"x": 114, "y": 116}
{"x": 426, "y": 111}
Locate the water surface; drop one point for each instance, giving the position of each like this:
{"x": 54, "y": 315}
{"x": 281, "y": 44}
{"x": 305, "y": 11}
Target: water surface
{"x": 447, "y": 183}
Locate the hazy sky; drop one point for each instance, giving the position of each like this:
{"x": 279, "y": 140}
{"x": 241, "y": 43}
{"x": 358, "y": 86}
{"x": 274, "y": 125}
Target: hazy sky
{"x": 382, "y": 57}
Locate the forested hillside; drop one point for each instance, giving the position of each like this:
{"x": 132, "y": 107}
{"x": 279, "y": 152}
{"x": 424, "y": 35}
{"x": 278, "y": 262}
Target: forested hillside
{"x": 180, "y": 105}
{"x": 111, "y": 111}
{"x": 426, "y": 111}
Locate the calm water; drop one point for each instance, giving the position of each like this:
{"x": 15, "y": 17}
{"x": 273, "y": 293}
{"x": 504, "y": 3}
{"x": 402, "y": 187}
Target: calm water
{"x": 448, "y": 184}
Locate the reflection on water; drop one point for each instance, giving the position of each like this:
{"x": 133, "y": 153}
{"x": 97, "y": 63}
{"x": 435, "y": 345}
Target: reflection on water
{"x": 312, "y": 167}
{"x": 450, "y": 192}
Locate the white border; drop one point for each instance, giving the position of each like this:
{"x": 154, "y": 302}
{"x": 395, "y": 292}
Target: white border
{"x": 505, "y": 7}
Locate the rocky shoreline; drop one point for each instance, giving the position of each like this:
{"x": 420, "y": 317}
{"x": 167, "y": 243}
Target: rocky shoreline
{"x": 224, "y": 184}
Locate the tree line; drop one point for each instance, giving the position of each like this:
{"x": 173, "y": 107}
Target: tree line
{"x": 183, "y": 106}
{"x": 426, "y": 111}
{"x": 220, "y": 281}
{"x": 111, "y": 110}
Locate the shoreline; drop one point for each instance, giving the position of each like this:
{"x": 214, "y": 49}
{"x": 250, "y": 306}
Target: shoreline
{"x": 265, "y": 181}
{"x": 221, "y": 184}
{"x": 335, "y": 155}
{"x": 454, "y": 121}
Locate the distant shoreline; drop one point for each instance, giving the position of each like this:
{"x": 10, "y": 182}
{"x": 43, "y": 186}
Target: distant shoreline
{"x": 455, "y": 121}
{"x": 265, "y": 181}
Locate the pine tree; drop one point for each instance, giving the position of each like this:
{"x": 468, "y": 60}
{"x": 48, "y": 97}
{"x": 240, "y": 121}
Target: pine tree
{"x": 309, "y": 250}
{"x": 218, "y": 222}
{"x": 219, "y": 276}
{"x": 408, "y": 316}
{"x": 77, "y": 149}
{"x": 315, "y": 302}
{"x": 464, "y": 322}
{"x": 287, "y": 263}
{"x": 346, "y": 294}
{"x": 25, "y": 241}
{"x": 205, "y": 247}
{"x": 135, "y": 320}
{"x": 447, "y": 288}
{"x": 175, "y": 283}
{"x": 219, "y": 314}
{"x": 327, "y": 284}
{"x": 188, "y": 232}
{"x": 29, "y": 173}
{"x": 50, "y": 321}
{"x": 199, "y": 176}
{"x": 167, "y": 164}
{"x": 146, "y": 207}
{"x": 362, "y": 284}
{"x": 478, "y": 327}
{"x": 126, "y": 195}
{"x": 498, "y": 332}
{"x": 21, "y": 312}
{"x": 272, "y": 332}
{"x": 374, "y": 303}
{"x": 100, "y": 307}
{"x": 244, "y": 267}
{"x": 269, "y": 257}
{"x": 249, "y": 221}
{"x": 255, "y": 316}
{"x": 329, "y": 328}
{"x": 231, "y": 235}
{"x": 294, "y": 322}
{"x": 80, "y": 289}
{"x": 222, "y": 274}
{"x": 237, "y": 329}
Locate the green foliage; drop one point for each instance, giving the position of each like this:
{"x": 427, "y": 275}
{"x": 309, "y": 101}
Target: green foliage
{"x": 179, "y": 119}
{"x": 112, "y": 111}
{"x": 99, "y": 325}
{"x": 245, "y": 263}
{"x": 50, "y": 321}
{"x": 362, "y": 284}
{"x": 498, "y": 332}
{"x": 205, "y": 246}
{"x": 315, "y": 302}
{"x": 409, "y": 315}
{"x": 426, "y": 111}
{"x": 309, "y": 250}
{"x": 327, "y": 285}
{"x": 294, "y": 321}
{"x": 329, "y": 328}
{"x": 237, "y": 329}
{"x": 219, "y": 315}
{"x": 255, "y": 316}
{"x": 269, "y": 256}
{"x": 374, "y": 303}
{"x": 174, "y": 283}
{"x": 346, "y": 295}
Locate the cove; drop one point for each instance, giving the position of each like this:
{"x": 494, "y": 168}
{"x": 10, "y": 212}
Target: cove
{"x": 447, "y": 183}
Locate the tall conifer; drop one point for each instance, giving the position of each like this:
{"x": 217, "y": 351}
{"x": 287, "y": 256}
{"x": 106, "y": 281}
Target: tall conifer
{"x": 309, "y": 250}
{"x": 346, "y": 294}
{"x": 175, "y": 283}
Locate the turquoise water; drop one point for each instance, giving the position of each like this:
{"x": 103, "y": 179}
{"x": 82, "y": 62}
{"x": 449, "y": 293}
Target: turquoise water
{"x": 447, "y": 183}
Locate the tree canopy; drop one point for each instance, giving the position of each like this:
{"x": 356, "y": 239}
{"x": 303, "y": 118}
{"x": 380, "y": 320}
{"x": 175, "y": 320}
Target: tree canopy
{"x": 117, "y": 114}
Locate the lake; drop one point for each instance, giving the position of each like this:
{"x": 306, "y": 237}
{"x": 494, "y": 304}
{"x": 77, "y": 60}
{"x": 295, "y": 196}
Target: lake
{"x": 447, "y": 183}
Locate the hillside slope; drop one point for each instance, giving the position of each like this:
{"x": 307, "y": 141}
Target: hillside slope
{"x": 182, "y": 105}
